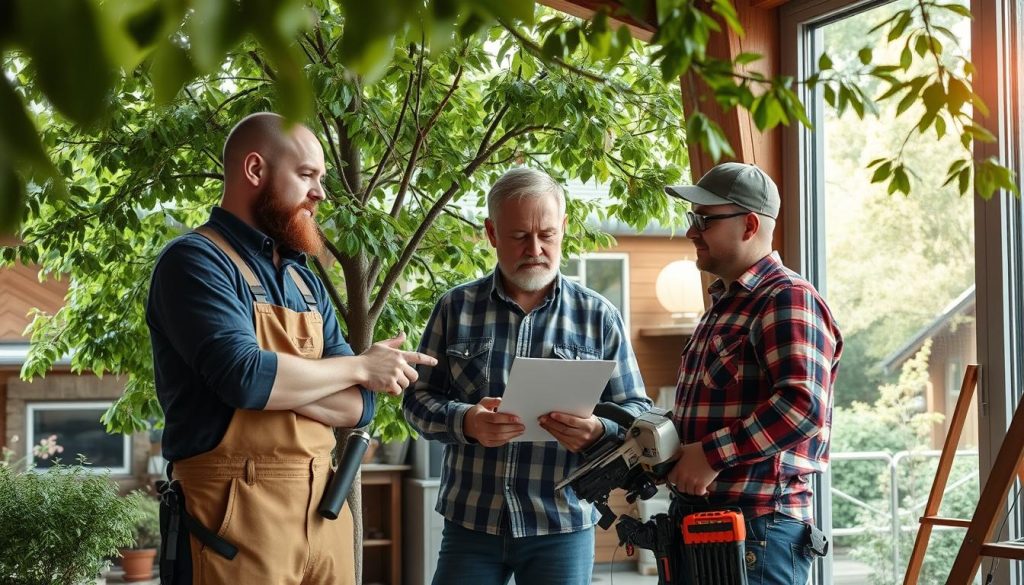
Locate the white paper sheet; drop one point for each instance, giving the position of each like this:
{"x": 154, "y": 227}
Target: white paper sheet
{"x": 538, "y": 386}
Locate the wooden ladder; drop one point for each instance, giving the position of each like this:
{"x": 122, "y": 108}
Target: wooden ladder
{"x": 1005, "y": 469}
{"x": 931, "y": 510}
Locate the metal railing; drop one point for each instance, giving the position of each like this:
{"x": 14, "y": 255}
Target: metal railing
{"x": 900, "y": 520}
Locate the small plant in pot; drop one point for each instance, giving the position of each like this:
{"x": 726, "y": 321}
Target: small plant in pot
{"x": 137, "y": 561}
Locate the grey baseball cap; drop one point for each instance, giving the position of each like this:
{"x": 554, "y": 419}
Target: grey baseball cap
{"x": 733, "y": 183}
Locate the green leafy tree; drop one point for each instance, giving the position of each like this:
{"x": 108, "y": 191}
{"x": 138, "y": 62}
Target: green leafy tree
{"x": 410, "y": 158}
{"x": 79, "y": 52}
{"x": 921, "y": 249}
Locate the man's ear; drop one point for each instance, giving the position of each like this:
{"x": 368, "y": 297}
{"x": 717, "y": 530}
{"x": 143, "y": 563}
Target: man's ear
{"x": 254, "y": 169}
{"x": 752, "y": 225}
{"x": 492, "y": 234}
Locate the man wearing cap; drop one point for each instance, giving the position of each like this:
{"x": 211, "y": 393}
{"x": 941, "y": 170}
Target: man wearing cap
{"x": 754, "y": 397}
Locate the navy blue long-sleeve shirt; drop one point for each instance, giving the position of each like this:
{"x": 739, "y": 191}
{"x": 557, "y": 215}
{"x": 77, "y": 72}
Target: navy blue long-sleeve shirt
{"x": 207, "y": 362}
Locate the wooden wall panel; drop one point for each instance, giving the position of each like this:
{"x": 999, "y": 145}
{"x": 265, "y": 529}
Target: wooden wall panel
{"x": 760, "y": 22}
{"x": 20, "y": 292}
{"x": 658, "y": 357}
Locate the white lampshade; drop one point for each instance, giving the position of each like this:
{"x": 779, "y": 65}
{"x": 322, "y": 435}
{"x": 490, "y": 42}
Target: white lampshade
{"x": 679, "y": 289}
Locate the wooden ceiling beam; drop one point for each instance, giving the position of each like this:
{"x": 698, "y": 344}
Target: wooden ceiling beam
{"x": 642, "y": 29}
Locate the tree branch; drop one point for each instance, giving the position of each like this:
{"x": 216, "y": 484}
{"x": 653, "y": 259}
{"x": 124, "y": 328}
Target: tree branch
{"x": 491, "y": 128}
{"x": 332, "y": 292}
{"x": 428, "y": 220}
{"x": 322, "y": 47}
{"x": 372, "y": 184}
{"x": 537, "y": 51}
{"x": 421, "y": 137}
{"x": 410, "y": 167}
{"x": 234, "y": 97}
{"x": 310, "y": 56}
{"x": 262, "y": 65}
{"x": 350, "y": 152}
{"x": 335, "y": 153}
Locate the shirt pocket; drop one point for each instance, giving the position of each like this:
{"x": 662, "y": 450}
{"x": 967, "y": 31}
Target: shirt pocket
{"x": 468, "y": 365}
{"x": 576, "y": 352}
{"x": 723, "y": 361}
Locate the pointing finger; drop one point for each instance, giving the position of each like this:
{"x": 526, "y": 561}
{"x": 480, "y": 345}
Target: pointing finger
{"x": 415, "y": 357}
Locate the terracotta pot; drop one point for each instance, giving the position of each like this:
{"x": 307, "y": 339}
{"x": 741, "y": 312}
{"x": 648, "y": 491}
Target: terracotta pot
{"x": 138, "y": 564}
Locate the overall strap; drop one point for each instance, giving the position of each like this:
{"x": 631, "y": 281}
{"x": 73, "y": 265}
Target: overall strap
{"x": 303, "y": 287}
{"x": 250, "y": 277}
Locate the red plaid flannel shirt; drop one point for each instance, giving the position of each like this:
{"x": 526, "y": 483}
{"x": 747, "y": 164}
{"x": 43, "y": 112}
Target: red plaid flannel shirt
{"x": 755, "y": 388}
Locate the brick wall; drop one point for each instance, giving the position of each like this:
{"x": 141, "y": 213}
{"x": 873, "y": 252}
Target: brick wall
{"x": 66, "y": 387}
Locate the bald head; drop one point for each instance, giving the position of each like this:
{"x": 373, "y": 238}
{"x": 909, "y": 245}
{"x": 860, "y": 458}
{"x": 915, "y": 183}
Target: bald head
{"x": 263, "y": 133}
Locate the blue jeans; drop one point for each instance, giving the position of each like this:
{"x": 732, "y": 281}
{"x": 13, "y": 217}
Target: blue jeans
{"x": 469, "y": 557}
{"x": 778, "y": 551}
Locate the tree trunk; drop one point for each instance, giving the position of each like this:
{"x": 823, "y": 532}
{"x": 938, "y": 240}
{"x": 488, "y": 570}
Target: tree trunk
{"x": 357, "y": 288}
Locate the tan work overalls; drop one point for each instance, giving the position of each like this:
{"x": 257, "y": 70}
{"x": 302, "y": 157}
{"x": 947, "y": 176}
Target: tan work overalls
{"x": 260, "y": 487}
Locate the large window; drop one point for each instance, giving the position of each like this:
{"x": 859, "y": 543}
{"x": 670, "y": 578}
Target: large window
{"x": 76, "y": 428}
{"x": 606, "y": 273}
{"x": 900, "y": 274}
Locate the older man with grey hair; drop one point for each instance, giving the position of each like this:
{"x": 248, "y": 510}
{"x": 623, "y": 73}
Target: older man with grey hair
{"x": 502, "y": 513}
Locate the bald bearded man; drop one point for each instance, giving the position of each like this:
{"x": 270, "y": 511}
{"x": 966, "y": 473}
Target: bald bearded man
{"x": 252, "y": 372}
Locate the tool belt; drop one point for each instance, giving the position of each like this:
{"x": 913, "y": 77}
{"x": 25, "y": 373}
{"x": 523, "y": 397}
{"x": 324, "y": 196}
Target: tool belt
{"x": 176, "y": 524}
{"x": 698, "y": 543}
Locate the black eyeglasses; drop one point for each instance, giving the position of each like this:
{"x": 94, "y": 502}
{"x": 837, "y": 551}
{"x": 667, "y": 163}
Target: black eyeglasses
{"x": 701, "y": 221}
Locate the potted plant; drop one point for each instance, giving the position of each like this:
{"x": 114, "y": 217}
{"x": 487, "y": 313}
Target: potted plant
{"x": 58, "y": 525}
{"x": 137, "y": 561}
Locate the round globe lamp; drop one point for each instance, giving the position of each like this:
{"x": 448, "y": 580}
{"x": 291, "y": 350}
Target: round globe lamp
{"x": 679, "y": 291}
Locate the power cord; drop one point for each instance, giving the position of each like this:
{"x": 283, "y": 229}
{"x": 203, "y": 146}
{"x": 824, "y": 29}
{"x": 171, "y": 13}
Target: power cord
{"x": 611, "y": 568}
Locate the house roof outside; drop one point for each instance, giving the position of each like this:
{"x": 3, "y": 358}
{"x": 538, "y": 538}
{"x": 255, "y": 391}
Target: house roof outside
{"x": 957, "y": 307}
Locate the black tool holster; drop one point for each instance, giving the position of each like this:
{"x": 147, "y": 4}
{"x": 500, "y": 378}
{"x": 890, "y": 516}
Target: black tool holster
{"x": 176, "y": 524}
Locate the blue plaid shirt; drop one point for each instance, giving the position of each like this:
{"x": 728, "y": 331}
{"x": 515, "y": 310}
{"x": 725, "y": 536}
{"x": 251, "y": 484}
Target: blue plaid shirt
{"x": 475, "y": 332}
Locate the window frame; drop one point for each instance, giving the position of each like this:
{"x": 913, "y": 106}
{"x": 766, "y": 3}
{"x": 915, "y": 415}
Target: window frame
{"x": 582, "y": 276}
{"x": 998, "y": 225}
{"x": 31, "y": 440}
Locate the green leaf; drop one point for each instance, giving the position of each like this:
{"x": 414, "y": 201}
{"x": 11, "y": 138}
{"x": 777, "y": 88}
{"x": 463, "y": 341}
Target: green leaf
{"x": 921, "y": 45}
{"x": 66, "y": 49}
{"x": 865, "y": 55}
{"x": 510, "y": 10}
{"x": 902, "y": 22}
{"x": 747, "y": 58}
{"x": 882, "y": 173}
{"x": 934, "y": 97}
{"x": 907, "y": 101}
{"x": 957, "y": 9}
{"x": 979, "y": 133}
{"x": 964, "y": 181}
{"x": 170, "y": 69}
{"x": 830, "y": 95}
{"x": 215, "y": 27}
{"x": 824, "y": 62}
{"x": 727, "y": 11}
{"x": 906, "y": 58}
{"x": 12, "y": 201}
{"x": 893, "y": 90}
{"x": 19, "y": 145}
{"x": 959, "y": 93}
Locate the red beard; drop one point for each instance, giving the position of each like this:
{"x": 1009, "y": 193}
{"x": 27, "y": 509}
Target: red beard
{"x": 289, "y": 227}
